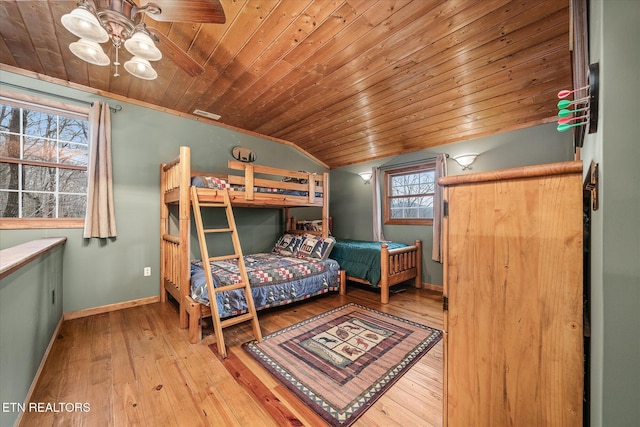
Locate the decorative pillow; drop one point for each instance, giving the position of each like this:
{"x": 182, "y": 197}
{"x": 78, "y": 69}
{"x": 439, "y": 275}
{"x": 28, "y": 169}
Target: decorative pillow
{"x": 316, "y": 247}
{"x": 288, "y": 244}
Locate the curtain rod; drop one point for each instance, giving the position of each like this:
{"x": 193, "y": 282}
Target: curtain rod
{"x": 411, "y": 163}
{"x": 41, "y": 92}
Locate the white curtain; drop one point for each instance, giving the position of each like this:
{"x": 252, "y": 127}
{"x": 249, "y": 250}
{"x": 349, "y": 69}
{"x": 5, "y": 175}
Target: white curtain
{"x": 100, "y": 220}
{"x": 438, "y": 208}
{"x": 378, "y": 235}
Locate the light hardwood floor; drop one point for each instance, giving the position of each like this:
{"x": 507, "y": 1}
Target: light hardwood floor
{"x": 135, "y": 367}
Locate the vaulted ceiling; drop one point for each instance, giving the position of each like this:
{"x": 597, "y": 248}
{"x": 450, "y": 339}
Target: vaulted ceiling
{"x": 345, "y": 80}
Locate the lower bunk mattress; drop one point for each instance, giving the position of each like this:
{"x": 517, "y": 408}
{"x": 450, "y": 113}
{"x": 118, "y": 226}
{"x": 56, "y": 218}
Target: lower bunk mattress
{"x": 274, "y": 279}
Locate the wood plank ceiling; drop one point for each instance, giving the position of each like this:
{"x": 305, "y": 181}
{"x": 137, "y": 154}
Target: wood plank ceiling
{"x": 345, "y": 80}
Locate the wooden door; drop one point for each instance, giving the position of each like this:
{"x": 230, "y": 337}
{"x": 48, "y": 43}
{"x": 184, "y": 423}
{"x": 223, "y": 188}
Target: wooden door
{"x": 513, "y": 279}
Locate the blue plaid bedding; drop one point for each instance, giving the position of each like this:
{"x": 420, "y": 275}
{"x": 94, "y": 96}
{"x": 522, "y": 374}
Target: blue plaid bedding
{"x": 275, "y": 280}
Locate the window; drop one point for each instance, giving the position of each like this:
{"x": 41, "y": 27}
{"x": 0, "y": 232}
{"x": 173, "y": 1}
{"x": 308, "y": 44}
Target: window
{"x": 43, "y": 165}
{"x": 409, "y": 195}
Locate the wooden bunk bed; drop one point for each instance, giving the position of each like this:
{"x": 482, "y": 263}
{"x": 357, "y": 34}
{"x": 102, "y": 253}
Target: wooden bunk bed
{"x": 287, "y": 190}
{"x": 376, "y": 264}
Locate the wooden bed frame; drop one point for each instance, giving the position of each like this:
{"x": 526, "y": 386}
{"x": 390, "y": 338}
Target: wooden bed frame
{"x": 175, "y": 189}
{"x": 396, "y": 265}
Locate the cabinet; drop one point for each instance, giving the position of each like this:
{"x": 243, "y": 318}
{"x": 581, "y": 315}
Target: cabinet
{"x": 513, "y": 291}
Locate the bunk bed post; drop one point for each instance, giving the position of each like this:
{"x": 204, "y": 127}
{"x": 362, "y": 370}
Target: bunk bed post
{"x": 289, "y": 221}
{"x": 164, "y": 229}
{"x": 185, "y": 232}
{"x": 325, "y": 205}
{"x": 195, "y": 328}
{"x": 418, "y": 278}
{"x": 384, "y": 274}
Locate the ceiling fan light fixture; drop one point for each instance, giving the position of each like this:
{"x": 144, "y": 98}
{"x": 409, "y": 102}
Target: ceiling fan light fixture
{"x": 140, "y": 44}
{"x": 141, "y": 68}
{"x": 85, "y": 25}
{"x": 122, "y": 22}
{"x": 90, "y": 52}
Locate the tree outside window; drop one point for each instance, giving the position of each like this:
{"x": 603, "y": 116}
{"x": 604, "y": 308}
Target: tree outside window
{"x": 409, "y": 195}
{"x": 43, "y": 163}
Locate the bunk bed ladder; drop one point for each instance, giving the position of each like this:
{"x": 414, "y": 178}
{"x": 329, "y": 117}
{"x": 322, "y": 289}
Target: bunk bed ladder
{"x": 219, "y": 324}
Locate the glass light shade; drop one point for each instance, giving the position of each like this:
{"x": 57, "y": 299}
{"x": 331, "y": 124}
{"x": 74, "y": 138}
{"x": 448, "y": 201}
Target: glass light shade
{"x": 366, "y": 176}
{"x": 140, "y": 44}
{"x": 140, "y": 68}
{"x": 89, "y": 51}
{"x": 85, "y": 25}
{"x": 465, "y": 160}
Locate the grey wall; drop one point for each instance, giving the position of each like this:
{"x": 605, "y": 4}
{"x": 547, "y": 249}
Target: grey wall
{"x": 101, "y": 272}
{"x": 351, "y": 200}
{"x": 28, "y": 317}
{"x": 615, "y": 231}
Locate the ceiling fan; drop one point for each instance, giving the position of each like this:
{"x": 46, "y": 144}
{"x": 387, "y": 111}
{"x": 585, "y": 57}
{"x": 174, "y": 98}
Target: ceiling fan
{"x": 121, "y": 22}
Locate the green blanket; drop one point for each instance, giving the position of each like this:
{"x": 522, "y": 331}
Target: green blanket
{"x": 360, "y": 258}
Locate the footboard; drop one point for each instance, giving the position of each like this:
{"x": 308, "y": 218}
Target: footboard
{"x": 399, "y": 265}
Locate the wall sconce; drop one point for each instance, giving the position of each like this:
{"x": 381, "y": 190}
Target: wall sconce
{"x": 366, "y": 176}
{"x": 465, "y": 160}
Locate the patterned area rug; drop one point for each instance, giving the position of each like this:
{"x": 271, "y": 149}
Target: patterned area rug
{"x": 342, "y": 361}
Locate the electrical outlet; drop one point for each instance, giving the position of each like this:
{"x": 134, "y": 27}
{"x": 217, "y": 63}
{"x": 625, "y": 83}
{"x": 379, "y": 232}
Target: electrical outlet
{"x": 147, "y": 271}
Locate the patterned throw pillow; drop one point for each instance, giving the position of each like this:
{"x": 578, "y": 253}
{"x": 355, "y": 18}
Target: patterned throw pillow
{"x": 288, "y": 244}
{"x": 316, "y": 247}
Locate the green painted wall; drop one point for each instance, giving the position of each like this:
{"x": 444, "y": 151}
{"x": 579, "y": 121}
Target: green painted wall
{"x": 28, "y": 317}
{"x": 615, "y": 231}
{"x": 351, "y": 200}
{"x": 101, "y": 272}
